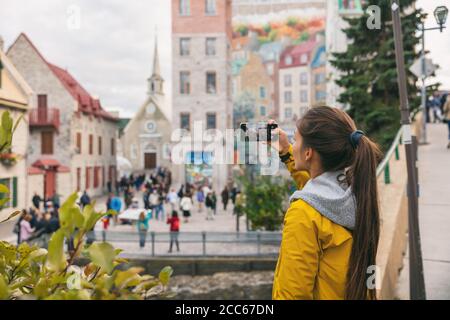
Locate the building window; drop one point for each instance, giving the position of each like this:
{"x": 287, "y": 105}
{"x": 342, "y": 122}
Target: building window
{"x": 269, "y": 68}
{"x": 210, "y": 46}
{"x": 185, "y": 121}
{"x": 91, "y": 144}
{"x": 210, "y": 7}
{"x": 319, "y": 78}
{"x": 96, "y": 177}
{"x": 79, "y": 144}
{"x": 304, "y": 58}
{"x": 288, "y": 60}
{"x": 185, "y": 44}
{"x": 321, "y": 95}
{"x": 262, "y": 92}
{"x": 304, "y": 78}
{"x": 262, "y": 111}
{"x": 211, "y": 120}
{"x": 42, "y": 101}
{"x": 78, "y": 179}
{"x": 103, "y": 177}
{"x": 288, "y": 97}
{"x": 88, "y": 177}
{"x": 47, "y": 142}
{"x": 288, "y": 113}
{"x": 185, "y": 84}
{"x": 11, "y": 184}
{"x": 303, "y": 96}
{"x": 287, "y": 80}
{"x": 100, "y": 146}
{"x": 185, "y": 7}
{"x": 113, "y": 147}
{"x": 211, "y": 82}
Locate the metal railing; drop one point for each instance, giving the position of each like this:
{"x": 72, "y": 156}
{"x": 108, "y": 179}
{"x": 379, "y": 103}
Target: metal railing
{"x": 393, "y": 150}
{"x": 252, "y": 240}
{"x": 41, "y": 117}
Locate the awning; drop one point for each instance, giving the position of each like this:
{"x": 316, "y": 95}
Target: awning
{"x": 34, "y": 170}
{"x": 41, "y": 163}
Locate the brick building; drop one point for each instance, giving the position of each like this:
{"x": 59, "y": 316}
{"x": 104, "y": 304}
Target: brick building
{"x": 201, "y": 39}
{"x": 72, "y": 138}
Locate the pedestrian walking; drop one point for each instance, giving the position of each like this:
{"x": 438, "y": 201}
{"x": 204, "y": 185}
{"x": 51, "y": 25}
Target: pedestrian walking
{"x": 56, "y": 200}
{"x": 174, "y": 222}
{"x": 37, "y": 201}
{"x": 172, "y": 198}
{"x": 142, "y": 226}
{"x": 200, "y": 198}
{"x": 447, "y": 117}
{"x": 85, "y": 200}
{"x": 225, "y": 197}
{"x": 209, "y": 207}
{"x": 186, "y": 206}
{"x": 25, "y": 228}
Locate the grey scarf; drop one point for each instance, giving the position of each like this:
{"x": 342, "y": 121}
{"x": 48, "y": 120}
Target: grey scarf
{"x": 333, "y": 198}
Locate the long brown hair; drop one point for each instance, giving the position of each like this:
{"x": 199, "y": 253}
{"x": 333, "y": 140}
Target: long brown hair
{"x": 327, "y": 131}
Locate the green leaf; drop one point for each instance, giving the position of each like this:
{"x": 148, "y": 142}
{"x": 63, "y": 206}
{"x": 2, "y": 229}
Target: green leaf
{"x": 7, "y": 122}
{"x": 56, "y": 260}
{"x": 17, "y": 122}
{"x": 12, "y": 215}
{"x": 8, "y": 250}
{"x": 164, "y": 275}
{"x": 3, "y": 189}
{"x": 128, "y": 278}
{"x": 70, "y": 202}
{"x": 4, "y": 290}
{"x": 78, "y": 218}
{"x": 90, "y": 217}
{"x": 102, "y": 254}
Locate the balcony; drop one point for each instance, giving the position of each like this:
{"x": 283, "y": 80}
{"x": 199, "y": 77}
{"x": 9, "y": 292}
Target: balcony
{"x": 44, "y": 118}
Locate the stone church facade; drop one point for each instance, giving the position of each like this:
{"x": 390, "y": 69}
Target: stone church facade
{"x": 145, "y": 141}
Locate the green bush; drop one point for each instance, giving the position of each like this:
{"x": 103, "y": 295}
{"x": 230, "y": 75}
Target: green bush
{"x": 265, "y": 201}
{"x": 30, "y": 272}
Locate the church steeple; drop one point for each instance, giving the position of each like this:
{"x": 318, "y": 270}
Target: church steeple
{"x": 156, "y": 81}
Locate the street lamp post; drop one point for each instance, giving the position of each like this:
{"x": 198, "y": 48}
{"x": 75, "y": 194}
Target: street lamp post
{"x": 416, "y": 277}
{"x": 440, "y": 14}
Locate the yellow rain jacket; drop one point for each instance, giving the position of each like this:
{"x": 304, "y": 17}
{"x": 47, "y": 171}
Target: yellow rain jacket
{"x": 314, "y": 252}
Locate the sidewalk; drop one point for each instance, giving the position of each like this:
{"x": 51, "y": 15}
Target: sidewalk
{"x": 434, "y": 216}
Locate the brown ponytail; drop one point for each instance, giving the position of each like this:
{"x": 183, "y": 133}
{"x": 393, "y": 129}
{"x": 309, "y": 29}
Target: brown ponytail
{"x": 367, "y": 224}
{"x": 327, "y": 131}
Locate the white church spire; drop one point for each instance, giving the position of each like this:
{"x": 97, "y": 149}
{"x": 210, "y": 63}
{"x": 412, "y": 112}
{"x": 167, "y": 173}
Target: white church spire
{"x": 156, "y": 80}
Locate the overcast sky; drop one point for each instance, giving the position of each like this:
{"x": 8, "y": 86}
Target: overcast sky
{"x": 110, "y": 51}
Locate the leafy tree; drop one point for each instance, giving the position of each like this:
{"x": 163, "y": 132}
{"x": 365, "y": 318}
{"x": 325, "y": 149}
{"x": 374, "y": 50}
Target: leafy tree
{"x": 265, "y": 199}
{"x": 30, "y": 272}
{"x": 292, "y": 22}
{"x": 267, "y": 28}
{"x": 243, "y": 30}
{"x": 368, "y": 70}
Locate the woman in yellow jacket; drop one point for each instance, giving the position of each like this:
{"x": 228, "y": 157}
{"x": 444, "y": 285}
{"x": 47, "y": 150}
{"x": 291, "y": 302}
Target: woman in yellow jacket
{"x": 331, "y": 229}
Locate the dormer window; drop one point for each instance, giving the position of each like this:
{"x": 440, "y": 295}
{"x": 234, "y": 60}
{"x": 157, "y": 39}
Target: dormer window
{"x": 303, "y": 58}
{"x": 288, "y": 60}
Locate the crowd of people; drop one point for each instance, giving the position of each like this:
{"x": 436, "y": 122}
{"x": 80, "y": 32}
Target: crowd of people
{"x": 38, "y": 223}
{"x": 439, "y": 106}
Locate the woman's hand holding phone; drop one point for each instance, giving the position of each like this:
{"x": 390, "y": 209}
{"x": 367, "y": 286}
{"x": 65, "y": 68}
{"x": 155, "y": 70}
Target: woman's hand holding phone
{"x": 282, "y": 143}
